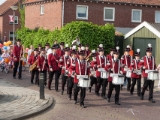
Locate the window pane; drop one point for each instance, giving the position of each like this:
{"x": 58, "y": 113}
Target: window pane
{"x": 157, "y": 16}
{"x": 82, "y": 11}
{"x": 136, "y": 15}
{"x": 108, "y": 13}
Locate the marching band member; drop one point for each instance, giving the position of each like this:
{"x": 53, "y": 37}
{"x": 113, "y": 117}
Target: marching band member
{"x": 64, "y": 64}
{"x": 32, "y": 59}
{"x": 79, "y": 49}
{"x": 135, "y": 76}
{"x": 114, "y": 66}
{"x": 53, "y": 59}
{"x": 42, "y": 64}
{"x": 100, "y": 46}
{"x": 101, "y": 63}
{"x": 39, "y": 48}
{"x": 72, "y": 63}
{"x": 148, "y": 63}
{"x": 87, "y": 51}
{"x": 110, "y": 56}
{"x": 93, "y": 68}
{"x": 126, "y": 62}
{"x": 60, "y": 51}
{"x": 82, "y": 68}
{"x": 17, "y": 53}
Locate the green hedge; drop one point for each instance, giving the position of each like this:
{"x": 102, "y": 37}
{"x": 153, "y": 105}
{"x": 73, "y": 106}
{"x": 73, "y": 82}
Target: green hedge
{"x": 89, "y": 33}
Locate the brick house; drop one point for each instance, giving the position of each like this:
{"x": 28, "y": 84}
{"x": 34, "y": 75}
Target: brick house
{"x": 124, "y": 14}
{"x": 6, "y": 27}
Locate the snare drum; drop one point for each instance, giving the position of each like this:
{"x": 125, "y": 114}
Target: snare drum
{"x": 128, "y": 74}
{"x": 84, "y": 82}
{"x": 153, "y": 75}
{"x": 104, "y": 75}
{"x": 117, "y": 79}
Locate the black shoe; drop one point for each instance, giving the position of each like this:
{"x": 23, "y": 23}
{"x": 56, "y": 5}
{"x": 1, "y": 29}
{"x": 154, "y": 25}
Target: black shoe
{"x": 97, "y": 93}
{"x": 89, "y": 89}
{"x": 108, "y": 99}
{"x": 31, "y": 82}
{"x": 44, "y": 84}
{"x": 49, "y": 88}
{"x": 14, "y": 77}
{"x": 62, "y": 92}
{"x": 117, "y": 103}
{"x": 75, "y": 102}
{"x": 103, "y": 96}
{"x": 56, "y": 90}
{"x": 131, "y": 93}
{"x": 141, "y": 96}
{"x": 20, "y": 78}
{"x": 69, "y": 97}
{"x": 138, "y": 95}
{"x": 83, "y": 106}
{"x": 152, "y": 101}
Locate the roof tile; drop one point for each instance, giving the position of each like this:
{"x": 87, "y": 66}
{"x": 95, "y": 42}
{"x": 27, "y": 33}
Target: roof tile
{"x": 6, "y": 5}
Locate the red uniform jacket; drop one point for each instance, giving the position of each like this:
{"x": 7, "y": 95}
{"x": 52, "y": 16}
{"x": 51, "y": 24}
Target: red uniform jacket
{"x": 100, "y": 61}
{"x": 32, "y": 59}
{"x": 126, "y": 61}
{"x": 17, "y": 52}
{"x": 87, "y": 52}
{"x": 109, "y": 57}
{"x": 72, "y": 66}
{"x": 150, "y": 66}
{"x": 42, "y": 63}
{"x": 53, "y": 61}
{"x": 64, "y": 63}
{"x": 134, "y": 66}
{"x": 113, "y": 67}
{"x": 60, "y": 52}
{"x": 81, "y": 69}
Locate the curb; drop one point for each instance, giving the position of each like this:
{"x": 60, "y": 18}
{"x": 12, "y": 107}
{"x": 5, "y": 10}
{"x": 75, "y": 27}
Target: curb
{"x": 36, "y": 112}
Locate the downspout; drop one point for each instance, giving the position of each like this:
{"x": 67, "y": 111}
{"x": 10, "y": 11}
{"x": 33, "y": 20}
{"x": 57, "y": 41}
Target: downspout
{"x": 62, "y": 13}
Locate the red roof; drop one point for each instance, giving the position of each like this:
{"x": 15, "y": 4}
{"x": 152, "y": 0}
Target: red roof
{"x": 6, "y": 5}
{"x": 143, "y": 2}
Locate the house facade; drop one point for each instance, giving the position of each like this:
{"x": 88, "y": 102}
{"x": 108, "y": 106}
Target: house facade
{"x": 51, "y": 14}
{"x": 6, "y": 27}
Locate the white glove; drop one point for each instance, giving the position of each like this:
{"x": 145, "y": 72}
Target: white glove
{"x": 51, "y": 69}
{"x": 39, "y": 69}
{"x": 121, "y": 72}
{"x": 144, "y": 67}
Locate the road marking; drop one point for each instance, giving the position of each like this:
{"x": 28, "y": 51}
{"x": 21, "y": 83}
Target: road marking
{"x": 132, "y": 111}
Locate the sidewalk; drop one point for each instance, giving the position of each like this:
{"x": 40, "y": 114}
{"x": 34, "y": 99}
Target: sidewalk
{"x": 17, "y": 102}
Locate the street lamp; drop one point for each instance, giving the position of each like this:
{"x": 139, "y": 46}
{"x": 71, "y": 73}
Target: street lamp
{"x": 14, "y": 8}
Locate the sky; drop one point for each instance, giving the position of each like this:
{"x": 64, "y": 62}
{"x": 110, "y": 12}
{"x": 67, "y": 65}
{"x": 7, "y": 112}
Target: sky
{"x": 2, "y": 1}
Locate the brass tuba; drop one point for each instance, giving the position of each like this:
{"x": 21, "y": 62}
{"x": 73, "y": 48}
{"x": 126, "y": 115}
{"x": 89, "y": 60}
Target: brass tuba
{"x": 34, "y": 65}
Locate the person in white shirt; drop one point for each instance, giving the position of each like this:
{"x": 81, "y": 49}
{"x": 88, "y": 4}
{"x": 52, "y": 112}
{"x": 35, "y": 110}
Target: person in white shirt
{"x": 30, "y": 51}
{"x": 76, "y": 41}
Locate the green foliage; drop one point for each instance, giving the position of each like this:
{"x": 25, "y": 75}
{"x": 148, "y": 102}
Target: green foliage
{"x": 22, "y": 14}
{"x": 89, "y": 33}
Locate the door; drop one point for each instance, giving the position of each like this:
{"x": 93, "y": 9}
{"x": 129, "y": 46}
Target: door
{"x": 142, "y": 44}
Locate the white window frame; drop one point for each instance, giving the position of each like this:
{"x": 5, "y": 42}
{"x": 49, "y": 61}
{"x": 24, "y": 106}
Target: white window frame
{"x": 42, "y": 9}
{"x": 138, "y": 21}
{"x": 14, "y": 20}
{"x": 155, "y": 17}
{"x": 10, "y": 35}
{"x": 83, "y": 18}
{"x": 111, "y": 8}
